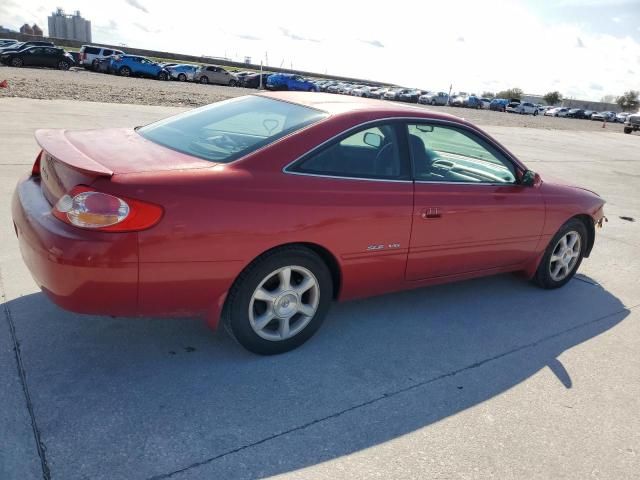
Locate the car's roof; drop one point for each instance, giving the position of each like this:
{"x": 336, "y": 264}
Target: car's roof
{"x": 342, "y": 104}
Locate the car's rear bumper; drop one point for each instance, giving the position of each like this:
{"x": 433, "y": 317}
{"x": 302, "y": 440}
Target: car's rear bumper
{"x": 79, "y": 270}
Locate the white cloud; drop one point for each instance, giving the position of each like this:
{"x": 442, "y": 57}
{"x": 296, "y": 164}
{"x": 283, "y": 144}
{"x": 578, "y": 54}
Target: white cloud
{"x": 534, "y": 53}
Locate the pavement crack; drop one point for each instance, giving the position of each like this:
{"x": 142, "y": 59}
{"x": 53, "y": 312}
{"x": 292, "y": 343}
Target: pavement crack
{"x": 46, "y": 473}
{"x": 387, "y": 395}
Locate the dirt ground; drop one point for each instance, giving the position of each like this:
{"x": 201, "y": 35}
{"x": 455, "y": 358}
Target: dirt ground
{"x": 79, "y": 84}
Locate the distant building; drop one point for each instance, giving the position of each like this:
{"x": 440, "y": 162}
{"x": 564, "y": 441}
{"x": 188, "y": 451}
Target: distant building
{"x": 72, "y": 27}
{"x": 37, "y": 31}
{"x": 6, "y": 30}
{"x": 26, "y": 29}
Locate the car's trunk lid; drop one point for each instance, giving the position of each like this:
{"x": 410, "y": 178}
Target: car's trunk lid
{"x": 72, "y": 158}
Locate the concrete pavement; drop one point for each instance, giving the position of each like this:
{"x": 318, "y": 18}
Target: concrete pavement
{"x": 491, "y": 378}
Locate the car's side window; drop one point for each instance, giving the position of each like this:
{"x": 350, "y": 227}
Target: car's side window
{"x": 372, "y": 153}
{"x": 449, "y": 154}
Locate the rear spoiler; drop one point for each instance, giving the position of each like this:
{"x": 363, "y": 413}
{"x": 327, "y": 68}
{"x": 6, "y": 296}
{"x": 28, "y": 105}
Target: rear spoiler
{"x": 56, "y": 144}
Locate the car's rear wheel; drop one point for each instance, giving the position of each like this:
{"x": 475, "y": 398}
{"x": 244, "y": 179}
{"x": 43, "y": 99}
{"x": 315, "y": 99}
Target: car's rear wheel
{"x": 182, "y": 77}
{"x": 563, "y": 255}
{"x": 95, "y": 65}
{"x": 279, "y": 301}
{"x": 125, "y": 72}
{"x": 16, "y": 62}
{"x": 163, "y": 76}
{"x": 63, "y": 65}
{"x": 627, "y": 130}
{"x": 233, "y": 83}
{"x": 204, "y": 79}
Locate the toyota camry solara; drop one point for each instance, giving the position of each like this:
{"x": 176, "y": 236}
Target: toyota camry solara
{"x": 259, "y": 211}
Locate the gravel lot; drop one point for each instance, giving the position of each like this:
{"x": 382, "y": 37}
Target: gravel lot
{"x": 79, "y": 84}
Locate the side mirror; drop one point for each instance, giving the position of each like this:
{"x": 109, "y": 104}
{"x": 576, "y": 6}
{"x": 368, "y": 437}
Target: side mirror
{"x": 372, "y": 139}
{"x": 531, "y": 179}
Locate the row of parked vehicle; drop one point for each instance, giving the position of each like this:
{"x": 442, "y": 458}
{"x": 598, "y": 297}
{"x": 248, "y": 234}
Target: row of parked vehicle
{"x": 34, "y": 54}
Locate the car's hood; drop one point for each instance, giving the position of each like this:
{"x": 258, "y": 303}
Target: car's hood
{"x": 550, "y": 179}
{"x": 113, "y": 151}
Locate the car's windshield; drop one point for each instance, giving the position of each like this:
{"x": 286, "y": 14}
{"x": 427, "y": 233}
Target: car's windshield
{"x": 225, "y": 131}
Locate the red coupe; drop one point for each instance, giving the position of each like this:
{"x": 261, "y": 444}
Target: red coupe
{"x": 260, "y": 210}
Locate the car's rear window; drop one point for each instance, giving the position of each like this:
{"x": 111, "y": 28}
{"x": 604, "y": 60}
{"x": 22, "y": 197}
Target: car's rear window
{"x": 225, "y": 131}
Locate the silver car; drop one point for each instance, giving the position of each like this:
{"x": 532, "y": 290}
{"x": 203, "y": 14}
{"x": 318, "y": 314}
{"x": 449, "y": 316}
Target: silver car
{"x": 217, "y": 75}
{"x": 89, "y": 56}
{"x": 182, "y": 72}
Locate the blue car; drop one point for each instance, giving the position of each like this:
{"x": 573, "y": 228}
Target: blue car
{"x": 286, "y": 81}
{"x": 182, "y": 72}
{"x": 473, "y": 102}
{"x": 134, "y": 65}
{"x": 499, "y": 104}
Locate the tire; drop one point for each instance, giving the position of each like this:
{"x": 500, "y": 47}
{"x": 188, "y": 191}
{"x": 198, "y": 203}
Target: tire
{"x": 233, "y": 83}
{"x": 535, "y": 113}
{"x": 124, "y": 72}
{"x": 628, "y": 130}
{"x": 182, "y": 77}
{"x": 243, "y": 312}
{"x": 62, "y": 65}
{"x": 162, "y": 76}
{"x": 204, "y": 79}
{"x": 95, "y": 66}
{"x": 544, "y": 276}
{"x": 17, "y": 62}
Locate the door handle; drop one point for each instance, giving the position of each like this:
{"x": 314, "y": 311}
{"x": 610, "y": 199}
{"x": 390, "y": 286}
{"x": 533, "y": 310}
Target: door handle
{"x": 430, "y": 212}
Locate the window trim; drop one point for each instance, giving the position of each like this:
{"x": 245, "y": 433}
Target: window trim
{"x": 402, "y": 152}
{"x": 404, "y": 144}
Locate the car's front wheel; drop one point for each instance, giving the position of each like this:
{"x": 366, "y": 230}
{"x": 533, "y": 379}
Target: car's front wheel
{"x": 279, "y": 301}
{"x": 563, "y": 255}
{"x": 125, "y": 71}
{"x": 63, "y": 65}
{"x": 182, "y": 77}
{"x": 204, "y": 79}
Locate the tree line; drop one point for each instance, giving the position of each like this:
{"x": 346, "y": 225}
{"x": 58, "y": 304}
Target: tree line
{"x": 629, "y": 101}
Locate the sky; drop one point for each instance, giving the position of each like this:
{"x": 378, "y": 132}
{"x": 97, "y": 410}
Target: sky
{"x": 585, "y": 49}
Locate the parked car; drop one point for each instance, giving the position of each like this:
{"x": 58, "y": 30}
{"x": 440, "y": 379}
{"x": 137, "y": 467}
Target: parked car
{"x": 499, "y": 104}
{"x": 604, "y": 116}
{"x": 632, "y": 123}
{"x": 14, "y": 47}
{"x": 287, "y": 81}
{"x": 121, "y": 234}
{"x": 5, "y": 42}
{"x": 411, "y": 95}
{"x": 182, "y": 72}
{"x": 378, "y": 93}
{"x": 588, "y": 114}
{"x": 134, "y": 65}
{"x": 253, "y": 81}
{"x": 216, "y": 75}
{"x": 485, "y": 103}
{"x": 334, "y": 88}
{"x": 362, "y": 91}
{"x": 90, "y": 54}
{"x": 434, "y": 98}
{"x": 472, "y": 101}
{"x": 392, "y": 94}
{"x": 51, "y": 57}
{"x": 557, "y": 112}
{"x": 523, "y": 108}
{"x": 457, "y": 100}
{"x": 103, "y": 65}
{"x": 622, "y": 116}
{"x": 575, "y": 113}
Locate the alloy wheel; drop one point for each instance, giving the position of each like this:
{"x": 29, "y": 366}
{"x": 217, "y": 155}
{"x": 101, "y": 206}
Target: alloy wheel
{"x": 284, "y": 303}
{"x": 565, "y": 255}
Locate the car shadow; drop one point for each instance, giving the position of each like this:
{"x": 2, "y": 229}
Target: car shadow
{"x": 133, "y": 398}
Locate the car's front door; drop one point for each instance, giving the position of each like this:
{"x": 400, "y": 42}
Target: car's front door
{"x": 470, "y": 213}
{"x": 33, "y": 56}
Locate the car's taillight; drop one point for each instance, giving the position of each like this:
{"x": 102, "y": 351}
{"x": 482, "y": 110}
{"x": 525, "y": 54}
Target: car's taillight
{"x": 88, "y": 208}
{"x": 35, "y": 170}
